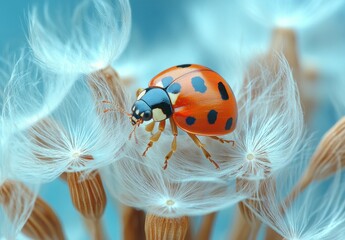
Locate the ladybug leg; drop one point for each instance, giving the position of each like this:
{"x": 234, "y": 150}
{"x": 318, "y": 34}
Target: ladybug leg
{"x": 155, "y": 137}
{"x": 222, "y": 140}
{"x": 204, "y": 151}
{"x": 149, "y": 127}
{"x": 173, "y": 144}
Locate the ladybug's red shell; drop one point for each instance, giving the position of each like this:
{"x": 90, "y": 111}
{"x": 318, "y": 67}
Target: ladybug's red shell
{"x": 203, "y": 102}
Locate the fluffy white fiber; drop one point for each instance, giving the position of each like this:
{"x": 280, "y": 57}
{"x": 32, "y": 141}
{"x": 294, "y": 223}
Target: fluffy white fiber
{"x": 88, "y": 40}
{"x": 77, "y": 136}
{"x": 317, "y": 214}
{"x": 151, "y": 189}
{"x": 16, "y": 203}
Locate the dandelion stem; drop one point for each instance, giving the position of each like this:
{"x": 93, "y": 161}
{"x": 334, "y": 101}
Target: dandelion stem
{"x": 95, "y": 228}
{"x": 243, "y": 229}
{"x": 205, "y": 230}
{"x": 133, "y": 223}
{"x": 272, "y": 235}
{"x": 325, "y": 160}
{"x": 284, "y": 40}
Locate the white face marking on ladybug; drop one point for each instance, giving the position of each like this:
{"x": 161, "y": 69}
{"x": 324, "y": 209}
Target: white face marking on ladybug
{"x": 141, "y": 94}
{"x": 137, "y": 112}
{"x": 173, "y": 97}
{"x": 158, "y": 115}
{"x": 134, "y": 119}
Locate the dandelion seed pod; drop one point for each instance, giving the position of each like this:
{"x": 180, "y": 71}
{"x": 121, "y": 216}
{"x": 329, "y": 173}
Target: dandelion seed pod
{"x": 166, "y": 228}
{"x": 88, "y": 195}
{"x": 43, "y": 224}
{"x": 106, "y": 84}
{"x": 325, "y": 160}
{"x": 5, "y": 193}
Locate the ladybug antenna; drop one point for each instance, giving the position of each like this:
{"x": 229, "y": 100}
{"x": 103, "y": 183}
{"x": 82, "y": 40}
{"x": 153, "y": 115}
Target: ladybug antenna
{"x": 133, "y": 131}
{"x": 117, "y": 107}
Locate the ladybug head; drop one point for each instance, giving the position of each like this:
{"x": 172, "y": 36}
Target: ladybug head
{"x": 140, "y": 112}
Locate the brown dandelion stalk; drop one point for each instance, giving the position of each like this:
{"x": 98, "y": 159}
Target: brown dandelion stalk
{"x": 161, "y": 228}
{"x": 247, "y": 224}
{"x": 242, "y": 229}
{"x": 284, "y": 40}
{"x": 95, "y": 228}
{"x": 272, "y": 235}
{"x": 42, "y": 224}
{"x": 133, "y": 223}
{"x": 326, "y": 160}
{"x": 206, "y": 227}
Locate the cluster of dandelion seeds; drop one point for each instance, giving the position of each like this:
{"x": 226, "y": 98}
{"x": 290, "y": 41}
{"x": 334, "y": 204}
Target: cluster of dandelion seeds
{"x": 66, "y": 104}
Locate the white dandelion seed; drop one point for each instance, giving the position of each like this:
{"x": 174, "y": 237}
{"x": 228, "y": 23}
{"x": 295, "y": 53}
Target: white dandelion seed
{"x": 151, "y": 189}
{"x": 317, "y": 213}
{"x": 291, "y": 13}
{"x": 75, "y": 137}
{"x": 30, "y": 94}
{"x": 269, "y": 126}
{"x": 88, "y": 41}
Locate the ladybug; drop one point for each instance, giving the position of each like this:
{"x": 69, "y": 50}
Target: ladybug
{"x": 194, "y": 98}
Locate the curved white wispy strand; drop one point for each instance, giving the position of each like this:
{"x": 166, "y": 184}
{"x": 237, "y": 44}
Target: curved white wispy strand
{"x": 317, "y": 214}
{"x": 31, "y": 94}
{"x": 95, "y": 36}
{"x": 76, "y": 137}
{"x": 150, "y": 189}
{"x": 269, "y": 126}
{"x": 291, "y": 13}
{"x": 16, "y": 204}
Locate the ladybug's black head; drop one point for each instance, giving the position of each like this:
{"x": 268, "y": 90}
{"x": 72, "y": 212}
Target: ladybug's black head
{"x": 140, "y": 112}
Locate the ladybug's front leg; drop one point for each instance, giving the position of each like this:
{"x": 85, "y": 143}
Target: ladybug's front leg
{"x": 200, "y": 145}
{"x": 155, "y": 137}
{"x": 173, "y": 144}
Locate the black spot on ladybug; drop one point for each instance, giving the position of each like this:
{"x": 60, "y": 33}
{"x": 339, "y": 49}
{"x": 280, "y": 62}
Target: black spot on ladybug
{"x": 199, "y": 84}
{"x": 228, "y": 124}
{"x": 184, "y": 65}
{"x": 190, "y": 120}
{"x": 212, "y": 116}
{"x": 222, "y": 91}
{"x": 166, "y": 81}
{"x": 174, "y": 88}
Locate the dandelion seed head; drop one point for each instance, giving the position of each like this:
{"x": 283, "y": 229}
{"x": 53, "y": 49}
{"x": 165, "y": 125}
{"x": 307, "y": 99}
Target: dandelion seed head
{"x": 152, "y": 190}
{"x": 269, "y": 125}
{"x": 73, "y": 46}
